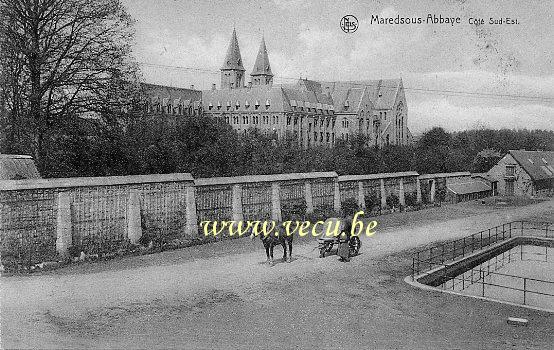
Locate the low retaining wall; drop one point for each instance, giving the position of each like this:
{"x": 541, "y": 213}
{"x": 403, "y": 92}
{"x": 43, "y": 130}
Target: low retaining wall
{"x": 441, "y": 275}
{"x": 49, "y": 219}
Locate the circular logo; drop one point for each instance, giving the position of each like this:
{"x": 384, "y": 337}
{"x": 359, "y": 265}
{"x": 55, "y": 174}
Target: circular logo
{"x": 349, "y": 24}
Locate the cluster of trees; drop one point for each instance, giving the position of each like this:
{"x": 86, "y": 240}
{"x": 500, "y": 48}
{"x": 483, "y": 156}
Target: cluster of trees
{"x": 206, "y": 147}
{"x": 60, "y": 59}
{"x": 65, "y": 61}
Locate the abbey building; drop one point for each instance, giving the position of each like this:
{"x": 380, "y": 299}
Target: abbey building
{"x": 315, "y": 113}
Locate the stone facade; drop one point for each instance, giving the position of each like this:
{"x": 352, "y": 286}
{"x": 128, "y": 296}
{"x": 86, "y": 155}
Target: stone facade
{"x": 313, "y": 112}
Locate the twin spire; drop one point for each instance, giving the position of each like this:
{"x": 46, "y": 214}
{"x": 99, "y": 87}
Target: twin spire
{"x": 233, "y": 68}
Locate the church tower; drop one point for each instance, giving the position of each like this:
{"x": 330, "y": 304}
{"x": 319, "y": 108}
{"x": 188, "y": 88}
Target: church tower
{"x": 232, "y": 71}
{"x": 261, "y": 74}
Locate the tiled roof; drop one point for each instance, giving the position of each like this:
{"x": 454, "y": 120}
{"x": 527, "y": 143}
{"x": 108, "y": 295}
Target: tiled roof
{"x": 382, "y": 93}
{"x": 17, "y": 167}
{"x": 538, "y": 164}
{"x": 280, "y": 98}
{"x": 166, "y": 94}
{"x": 472, "y": 186}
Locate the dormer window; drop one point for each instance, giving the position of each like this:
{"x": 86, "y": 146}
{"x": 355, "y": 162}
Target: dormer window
{"x": 246, "y": 104}
{"x": 346, "y": 104}
{"x": 218, "y": 105}
{"x": 210, "y": 106}
{"x": 267, "y": 103}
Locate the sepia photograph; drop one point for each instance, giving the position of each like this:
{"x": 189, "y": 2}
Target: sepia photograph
{"x": 276, "y": 174}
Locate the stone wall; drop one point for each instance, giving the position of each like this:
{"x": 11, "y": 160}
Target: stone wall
{"x": 51, "y": 219}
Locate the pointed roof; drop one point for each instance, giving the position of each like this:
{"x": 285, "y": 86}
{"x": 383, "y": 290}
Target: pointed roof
{"x": 233, "y": 60}
{"x": 262, "y": 67}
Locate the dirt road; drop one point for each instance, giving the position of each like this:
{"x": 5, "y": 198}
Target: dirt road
{"x": 235, "y": 301}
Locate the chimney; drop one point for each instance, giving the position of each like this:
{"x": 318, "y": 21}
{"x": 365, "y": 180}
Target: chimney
{"x": 192, "y": 87}
{"x": 213, "y": 86}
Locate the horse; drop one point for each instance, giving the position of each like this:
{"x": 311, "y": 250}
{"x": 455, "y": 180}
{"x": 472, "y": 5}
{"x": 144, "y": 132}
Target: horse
{"x": 271, "y": 240}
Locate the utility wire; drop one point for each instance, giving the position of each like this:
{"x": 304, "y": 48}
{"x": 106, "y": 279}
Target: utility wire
{"x": 453, "y": 93}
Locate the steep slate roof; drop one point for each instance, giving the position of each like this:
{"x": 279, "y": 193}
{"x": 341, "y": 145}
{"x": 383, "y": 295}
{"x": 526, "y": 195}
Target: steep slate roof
{"x": 538, "y": 164}
{"x": 279, "y": 97}
{"x": 262, "y": 67}
{"x": 260, "y": 94}
{"x": 473, "y": 186}
{"x": 382, "y": 93}
{"x": 165, "y": 94}
{"x": 233, "y": 60}
{"x": 17, "y": 167}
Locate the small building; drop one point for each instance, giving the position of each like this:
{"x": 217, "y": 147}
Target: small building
{"x": 525, "y": 173}
{"x": 17, "y": 167}
{"x": 467, "y": 191}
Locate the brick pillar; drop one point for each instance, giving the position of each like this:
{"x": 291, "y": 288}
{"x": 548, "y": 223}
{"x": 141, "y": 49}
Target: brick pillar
{"x": 402, "y": 199}
{"x": 134, "y": 227}
{"x": 336, "y": 197}
{"x": 276, "y": 202}
{"x": 418, "y": 190}
{"x": 433, "y": 191}
{"x": 237, "y": 203}
{"x": 361, "y": 195}
{"x": 191, "y": 216}
{"x": 308, "y": 196}
{"x": 64, "y": 237}
{"x": 383, "y": 194}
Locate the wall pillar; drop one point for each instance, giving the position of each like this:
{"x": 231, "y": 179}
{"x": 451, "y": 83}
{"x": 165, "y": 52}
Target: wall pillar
{"x": 237, "y": 203}
{"x": 433, "y": 191}
{"x": 64, "y": 237}
{"x": 276, "y": 202}
{"x": 418, "y": 190}
{"x": 308, "y": 196}
{"x": 361, "y": 195}
{"x": 336, "y": 197}
{"x": 383, "y": 194}
{"x": 401, "y": 195}
{"x": 191, "y": 216}
{"x": 134, "y": 222}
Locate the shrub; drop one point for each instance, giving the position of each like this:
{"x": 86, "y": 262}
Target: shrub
{"x": 393, "y": 201}
{"x": 350, "y": 207}
{"x": 371, "y": 201}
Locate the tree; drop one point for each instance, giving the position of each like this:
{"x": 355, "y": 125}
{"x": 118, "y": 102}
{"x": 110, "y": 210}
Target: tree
{"x": 485, "y": 160}
{"x": 62, "y": 59}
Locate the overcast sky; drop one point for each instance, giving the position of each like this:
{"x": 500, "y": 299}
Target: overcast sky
{"x": 304, "y": 38}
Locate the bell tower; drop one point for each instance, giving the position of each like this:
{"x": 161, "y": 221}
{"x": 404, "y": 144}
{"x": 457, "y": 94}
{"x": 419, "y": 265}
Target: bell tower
{"x": 232, "y": 71}
{"x": 261, "y": 74}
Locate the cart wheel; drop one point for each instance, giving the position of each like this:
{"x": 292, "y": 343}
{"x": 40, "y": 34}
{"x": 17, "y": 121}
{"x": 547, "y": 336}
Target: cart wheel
{"x": 355, "y": 245}
{"x": 322, "y": 252}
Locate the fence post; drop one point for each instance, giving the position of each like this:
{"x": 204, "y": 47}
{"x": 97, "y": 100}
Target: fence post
{"x": 383, "y": 194}
{"x": 402, "y": 199}
{"x": 433, "y": 190}
{"x": 336, "y": 197}
{"x": 134, "y": 217}
{"x": 308, "y": 196}
{"x": 276, "y": 214}
{"x": 418, "y": 190}
{"x": 192, "y": 216}
{"x": 237, "y": 202}
{"x": 524, "y": 290}
{"x": 483, "y": 281}
{"x": 361, "y": 195}
{"x": 64, "y": 237}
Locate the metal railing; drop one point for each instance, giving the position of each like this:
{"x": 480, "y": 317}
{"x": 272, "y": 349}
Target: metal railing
{"x": 440, "y": 255}
{"x": 427, "y": 259}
